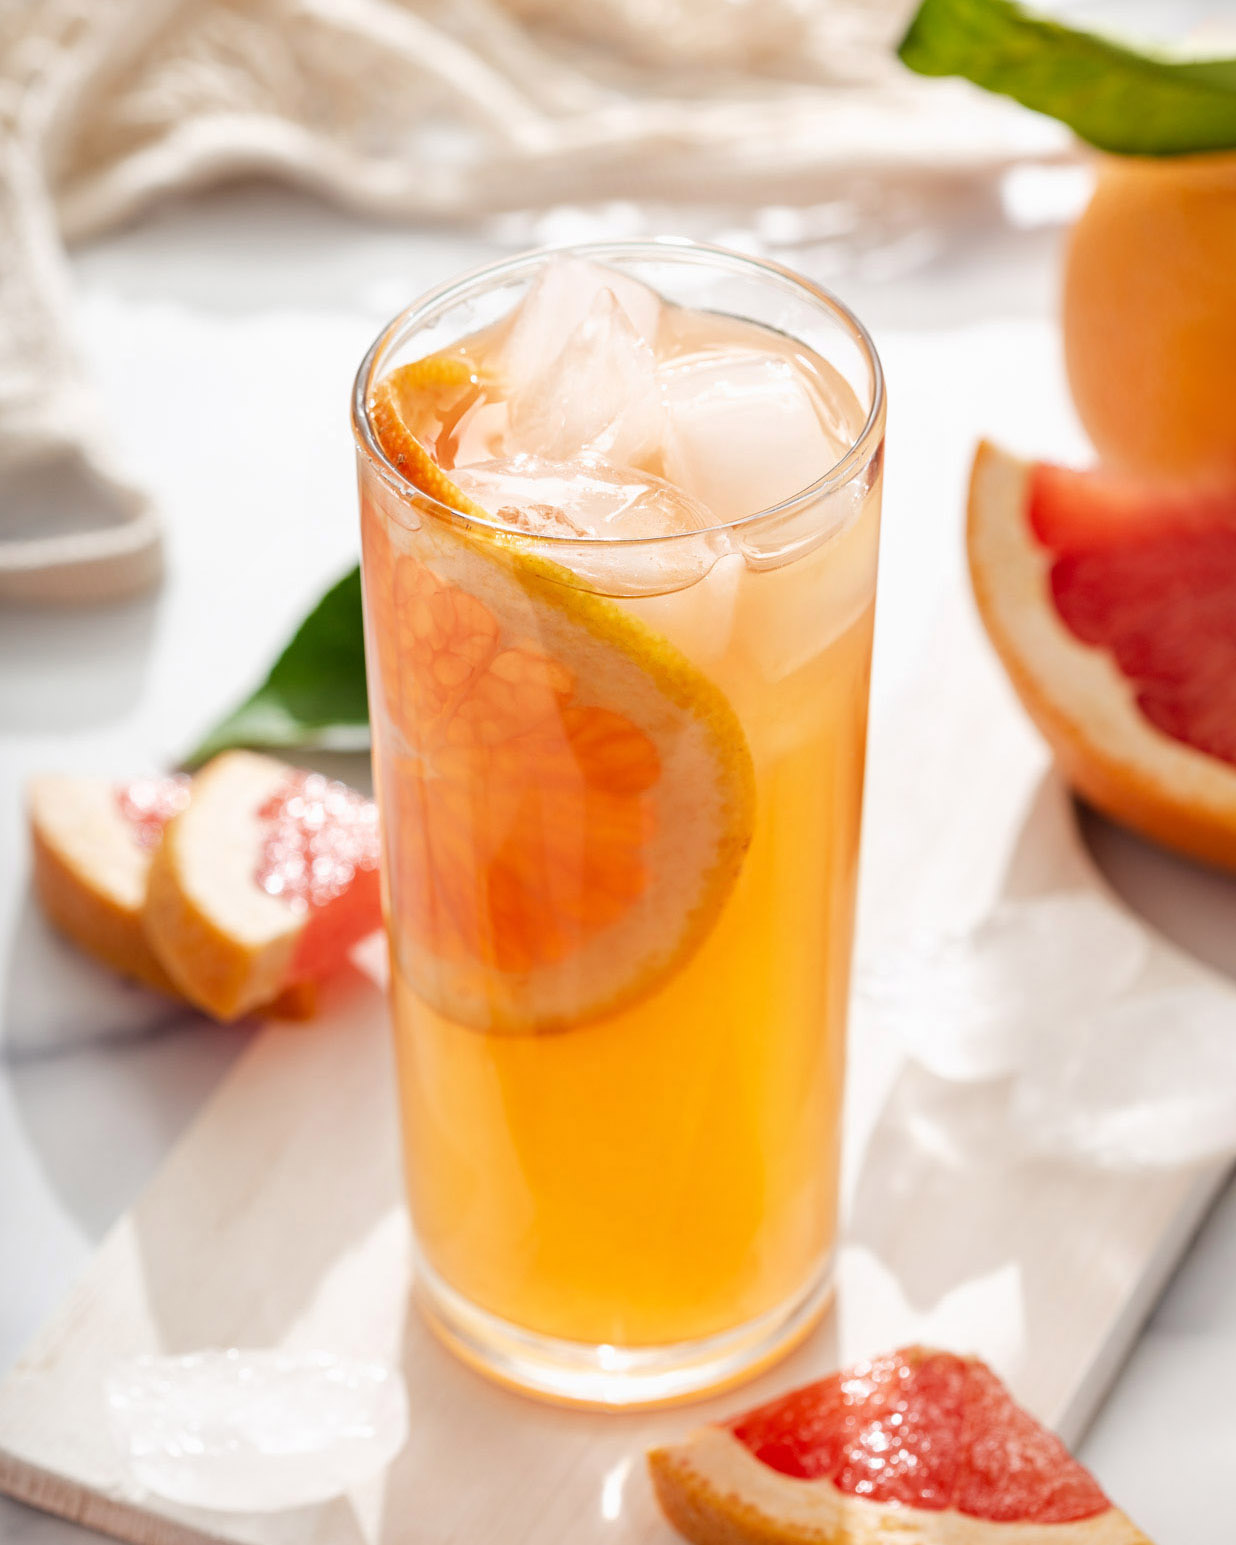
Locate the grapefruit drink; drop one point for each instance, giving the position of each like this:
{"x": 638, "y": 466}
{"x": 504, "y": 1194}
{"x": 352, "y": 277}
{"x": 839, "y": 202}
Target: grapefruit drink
{"x": 620, "y": 512}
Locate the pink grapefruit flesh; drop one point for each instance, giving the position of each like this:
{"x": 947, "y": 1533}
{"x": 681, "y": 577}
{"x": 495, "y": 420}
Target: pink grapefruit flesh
{"x": 1150, "y": 577}
{"x": 927, "y": 1430}
{"x": 320, "y": 853}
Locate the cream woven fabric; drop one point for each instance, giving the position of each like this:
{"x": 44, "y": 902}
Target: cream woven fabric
{"x": 404, "y": 107}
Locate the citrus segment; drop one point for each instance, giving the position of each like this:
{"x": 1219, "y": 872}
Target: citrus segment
{"x": 918, "y": 1446}
{"x": 568, "y": 799}
{"x": 1112, "y": 607}
{"x": 262, "y": 882}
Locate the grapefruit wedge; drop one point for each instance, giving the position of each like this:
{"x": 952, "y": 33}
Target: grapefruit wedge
{"x": 567, "y": 799}
{"x": 92, "y": 843}
{"x": 916, "y": 1448}
{"x": 1113, "y": 609}
{"x": 262, "y": 882}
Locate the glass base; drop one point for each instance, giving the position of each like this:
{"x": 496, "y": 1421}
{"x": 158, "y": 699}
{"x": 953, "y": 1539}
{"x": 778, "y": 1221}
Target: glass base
{"x": 615, "y": 1378}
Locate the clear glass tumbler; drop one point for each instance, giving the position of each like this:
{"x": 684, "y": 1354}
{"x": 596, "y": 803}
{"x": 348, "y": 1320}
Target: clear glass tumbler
{"x": 621, "y": 780}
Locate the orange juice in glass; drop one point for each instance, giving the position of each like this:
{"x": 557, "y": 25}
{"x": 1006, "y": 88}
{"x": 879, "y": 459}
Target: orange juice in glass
{"x": 620, "y": 511}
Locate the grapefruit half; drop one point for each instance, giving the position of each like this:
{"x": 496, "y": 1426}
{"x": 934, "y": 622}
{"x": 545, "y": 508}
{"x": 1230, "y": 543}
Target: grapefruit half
{"x": 263, "y": 881}
{"x": 916, "y": 1448}
{"x": 567, "y": 799}
{"x": 1113, "y": 608}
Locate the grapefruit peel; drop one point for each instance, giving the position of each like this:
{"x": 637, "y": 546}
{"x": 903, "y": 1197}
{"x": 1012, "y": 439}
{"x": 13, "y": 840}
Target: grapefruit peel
{"x": 568, "y": 798}
{"x": 1080, "y": 701}
{"x": 946, "y": 1458}
{"x": 392, "y": 412}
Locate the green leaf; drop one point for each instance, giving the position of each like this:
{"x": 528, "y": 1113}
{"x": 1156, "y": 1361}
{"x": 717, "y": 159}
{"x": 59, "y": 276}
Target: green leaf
{"x": 1112, "y": 96}
{"x": 315, "y": 693}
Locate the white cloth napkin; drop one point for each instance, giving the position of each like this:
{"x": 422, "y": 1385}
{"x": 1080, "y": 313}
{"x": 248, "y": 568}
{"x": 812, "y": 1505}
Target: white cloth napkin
{"x": 408, "y": 108}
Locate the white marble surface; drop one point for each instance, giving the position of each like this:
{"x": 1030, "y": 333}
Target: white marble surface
{"x": 225, "y": 332}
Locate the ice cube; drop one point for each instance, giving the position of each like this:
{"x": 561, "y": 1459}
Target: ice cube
{"x": 481, "y": 433}
{"x": 563, "y": 295}
{"x": 598, "y": 393}
{"x": 587, "y": 498}
{"x": 974, "y": 1004}
{"x": 1149, "y": 1080}
{"x": 606, "y": 514}
{"x": 255, "y": 1431}
{"x": 743, "y": 430}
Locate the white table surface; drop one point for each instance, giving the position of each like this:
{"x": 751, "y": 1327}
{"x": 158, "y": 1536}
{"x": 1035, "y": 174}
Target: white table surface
{"x": 224, "y": 332}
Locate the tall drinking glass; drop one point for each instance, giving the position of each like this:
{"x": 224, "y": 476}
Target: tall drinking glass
{"x": 620, "y": 513}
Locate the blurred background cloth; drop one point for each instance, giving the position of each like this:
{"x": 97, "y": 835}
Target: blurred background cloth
{"x": 427, "y": 109}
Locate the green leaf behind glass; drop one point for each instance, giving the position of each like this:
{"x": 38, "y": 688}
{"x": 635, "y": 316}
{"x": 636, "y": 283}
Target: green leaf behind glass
{"x": 1112, "y": 96}
{"x": 315, "y": 693}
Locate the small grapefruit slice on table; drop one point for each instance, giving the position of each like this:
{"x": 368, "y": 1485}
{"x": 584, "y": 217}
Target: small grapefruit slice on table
{"x": 92, "y": 843}
{"x": 1113, "y": 609}
{"x": 567, "y": 798}
{"x": 916, "y": 1448}
{"x": 263, "y": 882}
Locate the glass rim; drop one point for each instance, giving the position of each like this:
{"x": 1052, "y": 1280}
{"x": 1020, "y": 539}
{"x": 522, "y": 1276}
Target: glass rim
{"x": 671, "y": 248}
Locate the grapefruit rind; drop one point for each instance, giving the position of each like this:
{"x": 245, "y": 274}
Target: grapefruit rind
{"x": 1148, "y": 316}
{"x": 391, "y": 411}
{"x": 716, "y": 1492}
{"x": 1083, "y": 706}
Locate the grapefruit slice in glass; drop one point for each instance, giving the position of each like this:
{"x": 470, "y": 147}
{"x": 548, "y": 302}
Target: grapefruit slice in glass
{"x": 567, "y": 799}
{"x": 1113, "y": 609}
{"x": 264, "y": 881}
{"x": 919, "y": 1447}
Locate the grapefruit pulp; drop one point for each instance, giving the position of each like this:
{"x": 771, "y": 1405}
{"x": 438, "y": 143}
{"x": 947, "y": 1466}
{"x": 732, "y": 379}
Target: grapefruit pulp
{"x": 568, "y": 799}
{"x": 1113, "y": 609}
{"x": 920, "y": 1447}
